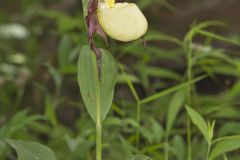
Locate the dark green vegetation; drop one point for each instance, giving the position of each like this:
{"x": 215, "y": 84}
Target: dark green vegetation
{"x": 194, "y": 73}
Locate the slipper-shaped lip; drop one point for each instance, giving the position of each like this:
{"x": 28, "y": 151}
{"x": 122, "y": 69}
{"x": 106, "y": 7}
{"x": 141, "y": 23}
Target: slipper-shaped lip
{"x": 123, "y": 22}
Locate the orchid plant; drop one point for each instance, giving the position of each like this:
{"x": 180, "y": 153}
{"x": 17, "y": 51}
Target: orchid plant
{"x": 97, "y": 69}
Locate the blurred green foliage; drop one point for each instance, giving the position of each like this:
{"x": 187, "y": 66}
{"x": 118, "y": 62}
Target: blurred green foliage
{"x": 40, "y": 99}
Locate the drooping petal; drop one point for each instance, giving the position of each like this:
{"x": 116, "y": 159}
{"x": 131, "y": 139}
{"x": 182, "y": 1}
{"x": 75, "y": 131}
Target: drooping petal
{"x": 123, "y": 22}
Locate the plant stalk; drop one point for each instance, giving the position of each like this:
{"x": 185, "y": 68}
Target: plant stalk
{"x": 139, "y": 123}
{"x": 189, "y": 78}
{"x": 99, "y": 141}
{"x": 189, "y": 141}
{"x": 166, "y": 150}
{"x": 208, "y": 151}
{"x": 137, "y": 98}
{"x": 98, "y": 131}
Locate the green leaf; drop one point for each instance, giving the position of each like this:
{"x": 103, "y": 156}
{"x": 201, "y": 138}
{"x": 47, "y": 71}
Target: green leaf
{"x": 88, "y": 80}
{"x": 85, "y": 6}
{"x": 31, "y": 150}
{"x": 227, "y": 145}
{"x": 130, "y": 85}
{"x": 174, "y": 107}
{"x": 18, "y": 122}
{"x": 169, "y": 91}
{"x": 189, "y": 36}
{"x": 157, "y": 36}
{"x": 121, "y": 78}
{"x": 159, "y": 72}
{"x": 153, "y": 133}
{"x": 229, "y": 128}
{"x": 91, "y": 87}
{"x": 139, "y": 157}
{"x": 64, "y": 50}
{"x": 108, "y": 80}
{"x": 179, "y": 147}
{"x": 157, "y": 131}
{"x": 64, "y": 23}
{"x": 225, "y": 138}
{"x": 50, "y": 110}
{"x": 127, "y": 147}
{"x": 55, "y": 75}
{"x": 218, "y": 37}
{"x": 199, "y": 122}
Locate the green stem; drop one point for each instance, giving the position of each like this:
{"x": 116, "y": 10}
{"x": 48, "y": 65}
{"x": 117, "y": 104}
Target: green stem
{"x": 225, "y": 157}
{"x": 189, "y": 141}
{"x": 137, "y": 98}
{"x": 98, "y": 131}
{"x": 166, "y": 147}
{"x": 139, "y": 123}
{"x": 189, "y": 72}
{"x": 99, "y": 141}
{"x": 208, "y": 151}
{"x": 189, "y": 78}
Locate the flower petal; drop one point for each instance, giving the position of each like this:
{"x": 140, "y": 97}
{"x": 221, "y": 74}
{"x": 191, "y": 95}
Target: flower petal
{"x": 123, "y": 22}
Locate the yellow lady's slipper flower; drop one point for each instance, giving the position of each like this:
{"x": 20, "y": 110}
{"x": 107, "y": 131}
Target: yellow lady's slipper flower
{"x": 122, "y": 21}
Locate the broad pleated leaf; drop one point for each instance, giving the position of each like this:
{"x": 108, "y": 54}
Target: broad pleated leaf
{"x": 31, "y": 150}
{"x": 108, "y": 77}
{"x": 91, "y": 86}
{"x": 88, "y": 80}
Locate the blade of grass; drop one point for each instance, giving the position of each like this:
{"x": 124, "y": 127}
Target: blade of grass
{"x": 200, "y": 26}
{"x": 218, "y": 37}
{"x": 169, "y": 91}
